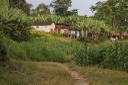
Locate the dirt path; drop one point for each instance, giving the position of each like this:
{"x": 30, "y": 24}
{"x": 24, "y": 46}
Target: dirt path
{"x": 78, "y": 79}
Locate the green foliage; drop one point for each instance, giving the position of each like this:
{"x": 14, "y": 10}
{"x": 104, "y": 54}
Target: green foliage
{"x": 113, "y": 56}
{"x": 83, "y": 39}
{"x": 3, "y": 51}
{"x": 4, "y": 3}
{"x": 15, "y": 24}
{"x": 35, "y": 34}
{"x": 41, "y": 49}
{"x": 48, "y": 49}
{"x": 42, "y": 9}
{"x": 13, "y": 49}
{"x": 61, "y": 6}
{"x": 113, "y": 12}
{"x": 101, "y": 38}
{"x": 21, "y": 5}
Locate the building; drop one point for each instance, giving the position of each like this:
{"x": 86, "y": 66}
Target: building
{"x": 73, "y": 31}
{"x": 70, "y": 31}
{"x": 61, "y": 28}
{"x": 47, "y": 27}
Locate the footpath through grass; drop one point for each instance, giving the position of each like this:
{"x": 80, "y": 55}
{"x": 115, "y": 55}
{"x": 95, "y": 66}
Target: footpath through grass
{"x": 100, "y": 76}
{"x": 46, "y": 73}
{"x": 33, "y": 73}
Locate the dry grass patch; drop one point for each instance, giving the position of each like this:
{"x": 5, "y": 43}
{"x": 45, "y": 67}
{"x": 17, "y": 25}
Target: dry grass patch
{"x": 99, "y": 76}
{"x": 51, "y": 74}
{"x": 34, "y": 73}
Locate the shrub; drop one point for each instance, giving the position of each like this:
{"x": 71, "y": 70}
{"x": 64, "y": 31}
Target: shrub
{"x": 101, "y": 38}
{"x": 83, "y": 39}
{"x": 39, "y": 34}
{"x": 56, "y": 34}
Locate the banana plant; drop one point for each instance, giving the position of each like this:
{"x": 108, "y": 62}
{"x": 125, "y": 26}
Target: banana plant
{"x": 14, "y": 23}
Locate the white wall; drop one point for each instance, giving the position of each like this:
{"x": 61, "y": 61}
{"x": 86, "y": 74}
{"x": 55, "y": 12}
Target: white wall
{"x": 45, "y": 28}
{"x": 63, "y": 31}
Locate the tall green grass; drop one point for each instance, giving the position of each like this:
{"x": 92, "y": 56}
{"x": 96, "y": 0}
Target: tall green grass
{"x": 49, "y": 49}
{"x": 113, "y": 56}
{"x": 13, "y": 49}
{"x": 42, "y": 49}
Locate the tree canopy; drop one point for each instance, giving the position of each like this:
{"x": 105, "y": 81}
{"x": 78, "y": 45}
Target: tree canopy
{"x": 114, "y": 12}
{"x": 60, "y": 6}
{"x": 21, "y": 4}
{"x": 41, "y": 9}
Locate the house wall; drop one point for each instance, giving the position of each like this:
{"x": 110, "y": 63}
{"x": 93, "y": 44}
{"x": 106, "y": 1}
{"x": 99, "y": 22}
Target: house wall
{"x": 77, "y": 34}
{"x": 45, "y": 28}
{"x": 71, "y": 33}
{"x": 63, "y": 31}
{"x": 74, "y": 33}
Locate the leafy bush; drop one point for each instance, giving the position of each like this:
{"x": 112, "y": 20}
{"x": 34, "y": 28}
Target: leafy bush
{"x": 39, "y": 34}
{"x": 83, "y": 39}
{"x": 101, "y": 38}
{"x": 56, "y": 34}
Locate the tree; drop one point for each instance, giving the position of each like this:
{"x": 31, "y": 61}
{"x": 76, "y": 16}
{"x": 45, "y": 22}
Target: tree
{"x": 114, "y": 12}
{"x": 41, "y": 9}
{"x": 21, "y": 4}
{"x": 72, "y": 12}
{"x": 60, "y": 6}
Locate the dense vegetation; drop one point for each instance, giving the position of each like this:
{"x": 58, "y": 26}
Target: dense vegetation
{"x": 111, "y": 56}
{"x": 47, "y": 49}
{"x": 3, "y": 51}
{"x": 14, "y": 24}
{"x": 113, "y": 12}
